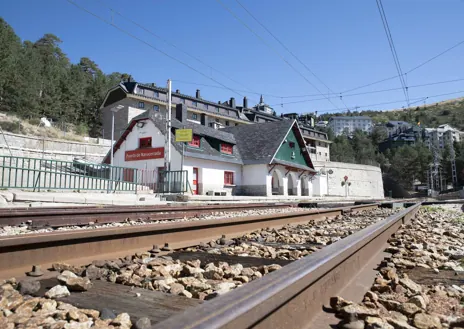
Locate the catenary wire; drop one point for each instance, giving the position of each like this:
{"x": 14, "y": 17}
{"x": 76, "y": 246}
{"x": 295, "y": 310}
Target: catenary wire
{"x": 288, "y": 50}
{"x": 151, "y": 46}
{"x": 175, "y": 46}
{"x": 272, "y": 48}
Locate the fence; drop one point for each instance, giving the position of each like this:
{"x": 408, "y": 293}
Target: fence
{"x": 175, "y": 181}
{"x": 37, "y": 174}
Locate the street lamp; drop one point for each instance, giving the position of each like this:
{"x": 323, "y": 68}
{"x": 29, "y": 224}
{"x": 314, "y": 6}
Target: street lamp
{"x": 113, "y": 111}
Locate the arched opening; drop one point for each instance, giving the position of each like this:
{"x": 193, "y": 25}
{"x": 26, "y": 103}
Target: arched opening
{"x": 292, "y": 185}
{"x": 277, "y": 183}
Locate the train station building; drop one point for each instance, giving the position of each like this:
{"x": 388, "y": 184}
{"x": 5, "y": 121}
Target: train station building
{"x": 260, "y": 159}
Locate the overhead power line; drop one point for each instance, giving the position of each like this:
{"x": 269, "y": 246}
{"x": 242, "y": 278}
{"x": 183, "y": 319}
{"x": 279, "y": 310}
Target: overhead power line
{"x": 373, "y": 91}
{"x": 420, "y": 99}
{"x": 272, "y": 48}
{"x": 152, "y": 46}
{"x": 174, "y": 46}
{"x": 288, "y": 50}
{"x": 411, "y": 70}
{"x": 393, "y": 49}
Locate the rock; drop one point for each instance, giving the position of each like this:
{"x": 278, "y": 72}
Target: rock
{"x": 273, "y": 267}
{"x": 28, "y": 287}
{"x": 426, "y": 321}
{"x": 372, "y": 296}
{"x": 377, "y": 323}
{"x": 398, "y": 316}
{"x": 357, "y": 324}
{"x": 248, "y": 272}
{"x": 78, "y": 284}
{"x": 107, "y": 314}
{"x": 90, "y": 313}
{"x": 186, "y": 293}
{"x": 122, "y": 320}
{"x": 224, "y": 287}
{"x": 93, "y": 272}
{"x": 336, "y": 303}
{"x": 60, "y": 267}
{"x": 143, "y": 323}
{"x": 411, "y": 285}
{"x": 399, "y": 324}
{"x": 48, "y": 306}
{"x": 176, "y": 289}
{"x": 78, "y": 325}
{"x": 57, "y": 292}
{"x": 10, "y": 299}
{"x": 191, "y": 271}
{"x": 390, "y": 305}
{"x": 355, "y": 310}
{"x": 419, "y": 301}
{"x": 408, "y": 309}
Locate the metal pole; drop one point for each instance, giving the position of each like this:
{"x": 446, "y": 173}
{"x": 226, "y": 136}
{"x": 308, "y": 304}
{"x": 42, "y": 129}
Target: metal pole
{"x": 169, "y": 125}
{"x": 110, "y": 183}
{"x": 182, "y": 167}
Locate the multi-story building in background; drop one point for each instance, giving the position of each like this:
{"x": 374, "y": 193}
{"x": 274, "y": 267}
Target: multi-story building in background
{"x": 340, "y": 124}
{"x": 132, "y": 99}
{"x": 397, "y": 127}
{"x": 442, "y": 136}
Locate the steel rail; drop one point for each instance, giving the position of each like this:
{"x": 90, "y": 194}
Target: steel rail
{"x": 107, "y": 214}
{"x": 292, "y": 296}
{"x": 18, "y": 253}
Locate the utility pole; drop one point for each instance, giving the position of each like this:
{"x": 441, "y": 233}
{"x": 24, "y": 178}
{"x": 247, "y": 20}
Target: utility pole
{"x": 167, "y": 143}
{"x": 453, "y": 163}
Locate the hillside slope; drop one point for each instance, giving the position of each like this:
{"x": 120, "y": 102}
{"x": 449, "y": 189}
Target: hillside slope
{"x": 432, "y": 115}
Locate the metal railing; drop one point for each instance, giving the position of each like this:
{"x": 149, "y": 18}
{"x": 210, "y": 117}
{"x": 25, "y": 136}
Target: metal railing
{"x": 175, "y": 181}
{"x": 37, "y": 174}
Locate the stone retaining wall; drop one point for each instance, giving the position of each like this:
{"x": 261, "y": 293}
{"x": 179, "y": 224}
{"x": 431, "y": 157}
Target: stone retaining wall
{"x": 57, "y": 149}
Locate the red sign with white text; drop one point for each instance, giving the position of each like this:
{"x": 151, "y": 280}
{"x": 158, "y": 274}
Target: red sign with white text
{"x": 145, "y": 154}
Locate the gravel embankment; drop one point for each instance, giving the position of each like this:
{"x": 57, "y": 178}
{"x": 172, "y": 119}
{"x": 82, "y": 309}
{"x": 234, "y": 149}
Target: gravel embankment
{"x": 26, "y": 228}
{"x": 188, "y": 278}
{"x": 422, "y": 284}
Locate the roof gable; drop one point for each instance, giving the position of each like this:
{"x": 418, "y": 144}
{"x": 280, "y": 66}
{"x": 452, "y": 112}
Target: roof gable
{"x": 259, "y": 142}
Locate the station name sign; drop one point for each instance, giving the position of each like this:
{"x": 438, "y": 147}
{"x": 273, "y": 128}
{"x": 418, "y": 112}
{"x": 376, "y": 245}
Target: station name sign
{"x": 144, "y": 154}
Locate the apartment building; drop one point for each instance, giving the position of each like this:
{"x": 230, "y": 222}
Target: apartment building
{"x": 340, "y": 124}
{"x": 134, "y": 98}
{"x": 442, "y": 136}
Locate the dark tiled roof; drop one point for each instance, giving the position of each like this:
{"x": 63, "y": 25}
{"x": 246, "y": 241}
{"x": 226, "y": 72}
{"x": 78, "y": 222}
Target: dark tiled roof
{"x": 260, "y": 141}
{"x": 205, "y": 131}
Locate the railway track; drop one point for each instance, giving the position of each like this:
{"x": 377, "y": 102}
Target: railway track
{"x": 291, "y": 297}
{"x": 75, "y": 216}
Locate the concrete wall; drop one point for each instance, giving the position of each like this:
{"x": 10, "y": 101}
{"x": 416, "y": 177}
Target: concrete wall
{"x": 366, "y": 181}
{"x": 38, "y": 147}
{"x": 255, "y": 180}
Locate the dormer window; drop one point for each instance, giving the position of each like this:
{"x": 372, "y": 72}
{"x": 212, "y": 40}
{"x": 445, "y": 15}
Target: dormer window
{"x": 145, "y": 143}
{"x": 196, "y": 141}
{"x": 226, "y": 148}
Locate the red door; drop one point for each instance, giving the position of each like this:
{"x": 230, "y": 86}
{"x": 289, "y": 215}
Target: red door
{"x": 195, "y": 181}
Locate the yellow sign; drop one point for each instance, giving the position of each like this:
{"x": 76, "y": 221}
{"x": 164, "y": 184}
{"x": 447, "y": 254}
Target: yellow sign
{"x": 184, "y": 135}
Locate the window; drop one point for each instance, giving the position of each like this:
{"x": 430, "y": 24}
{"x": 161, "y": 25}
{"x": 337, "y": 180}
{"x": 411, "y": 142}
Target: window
{"x": 227, "y": 123}
{"x": 226, "y": 148}
{"x": 141, "y": 91}
{"x": 194, "y": 116}
{"x": 144, "y": 142}
{"x": 194, "y": 103}
{"x": 228, "y": 112}
{"x": 141, "y": 105}
{"x": 195, "y": 141}
{"x": 217, "y": 109}
{"x": 156, "y": 94}
{"x": 292, "y": 145}
{"x": 228, "y": 178}
{"x": 156, "y": 108}
{"x": 206, "y": 106}
{"x": 236, "y": 124}
{"x": 182, "y": 101}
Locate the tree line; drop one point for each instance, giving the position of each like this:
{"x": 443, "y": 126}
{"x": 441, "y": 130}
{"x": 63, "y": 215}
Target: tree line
{"x": 38, "y": 80}
{"x": 406, "y": 164}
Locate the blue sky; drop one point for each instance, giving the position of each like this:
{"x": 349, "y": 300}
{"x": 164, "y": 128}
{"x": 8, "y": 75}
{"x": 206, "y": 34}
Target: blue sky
{"x": 342, "y": 42}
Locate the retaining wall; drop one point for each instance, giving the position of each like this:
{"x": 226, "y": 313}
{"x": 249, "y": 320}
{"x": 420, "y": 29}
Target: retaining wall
{"x": 57, "y": 149}
{"x": 366, "y": 181}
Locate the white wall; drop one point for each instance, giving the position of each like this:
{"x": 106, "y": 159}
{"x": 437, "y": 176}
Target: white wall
{"x": 255, "y": 174}
{"x": 366, "y": 181}
{"x": 211, "y": 174}
{"x": 132, "y": 143}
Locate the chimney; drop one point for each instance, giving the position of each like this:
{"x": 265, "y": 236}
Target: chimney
{"x": 232, "y": 102}
{"x": 153, "y": 84}
{"x": 178, "y": 91}
{"x": 245, "y": 102}
{"x": 197, "y": 95}
{"x": 129, "y": 79}
{"x": 181, "y": 112}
